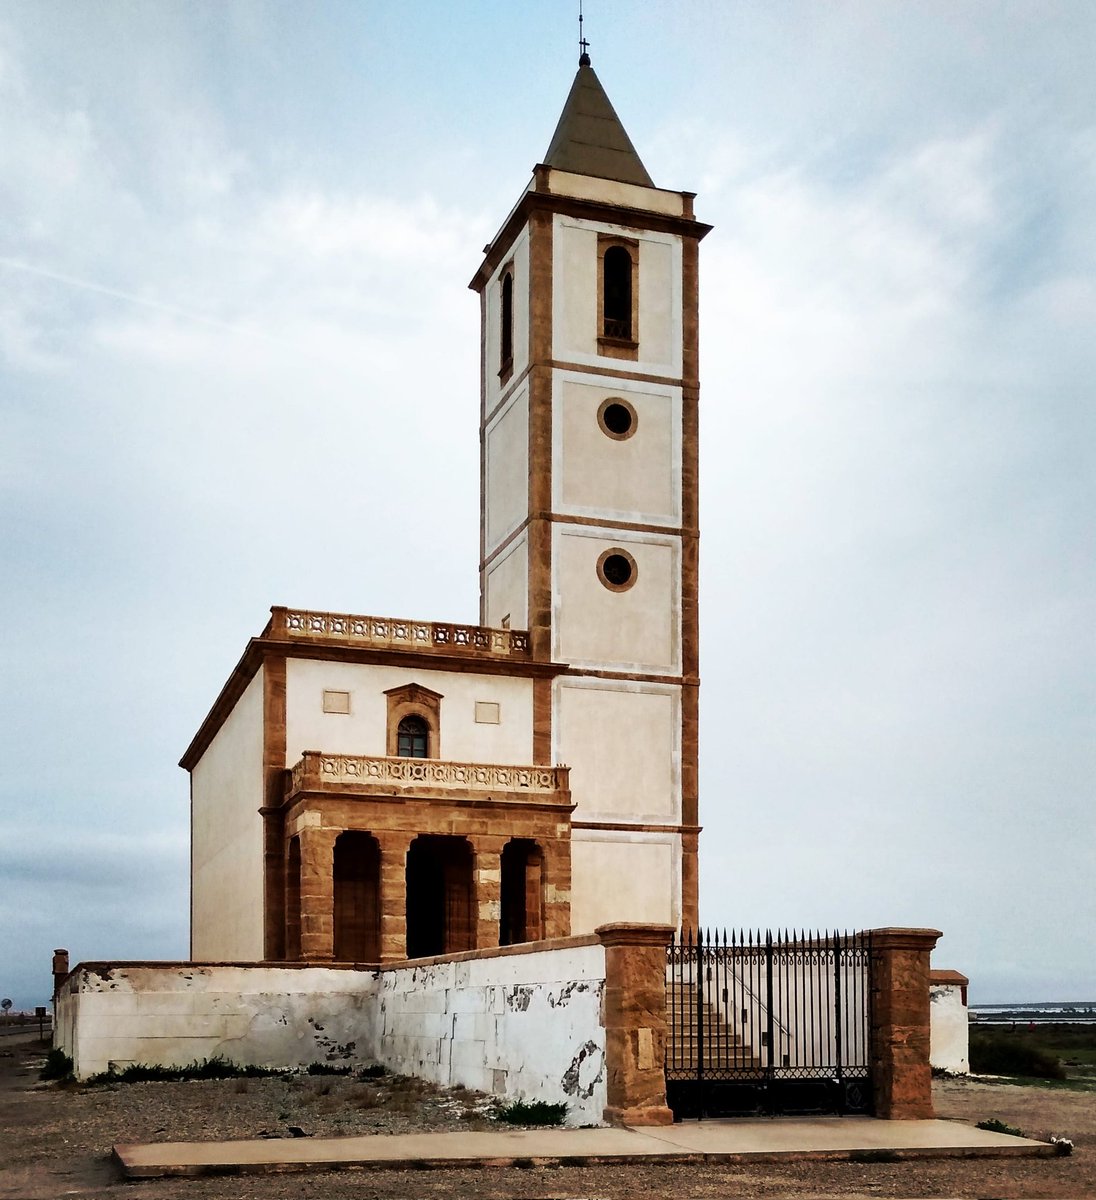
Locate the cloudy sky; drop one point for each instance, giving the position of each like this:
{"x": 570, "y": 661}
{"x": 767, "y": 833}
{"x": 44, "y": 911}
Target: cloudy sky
{"x": 235, "y": 239}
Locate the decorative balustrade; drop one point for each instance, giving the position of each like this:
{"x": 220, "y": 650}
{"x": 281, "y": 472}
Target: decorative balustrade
{"x": 315, "y": 771}
{"x": 431, "y": 636}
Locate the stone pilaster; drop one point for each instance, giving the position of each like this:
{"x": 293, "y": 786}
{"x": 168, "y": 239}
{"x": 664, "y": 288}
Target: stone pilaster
{"x": 393, "y": 898}
{"x": 901, "y": 1073}
{"x": 487, "y": 885}
{"x": 557, "y": 889}
{"x": 317, "y": 893}
{"x": 635, "y": 1023}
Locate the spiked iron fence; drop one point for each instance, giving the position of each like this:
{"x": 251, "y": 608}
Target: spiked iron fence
{"x": 768, "y": 1023}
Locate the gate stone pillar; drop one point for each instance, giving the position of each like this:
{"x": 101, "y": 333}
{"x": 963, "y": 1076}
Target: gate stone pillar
{"x": 635, "y": 1023}
{"x": 393, "y": 893}
{"x": 317, "y": 892}
{"x": 901, "y": 1074}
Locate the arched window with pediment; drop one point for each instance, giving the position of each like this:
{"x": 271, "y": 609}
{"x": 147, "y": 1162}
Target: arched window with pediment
{"x": 414, "y": 722}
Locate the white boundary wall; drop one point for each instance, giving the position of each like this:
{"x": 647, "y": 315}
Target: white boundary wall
{"x": 523, "y": 1025}
{"x": 949, "y": 1030}
{"x": 176, "y": 1014}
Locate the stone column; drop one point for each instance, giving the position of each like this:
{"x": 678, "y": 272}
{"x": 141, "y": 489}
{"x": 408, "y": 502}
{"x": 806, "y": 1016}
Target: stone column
{"x": 393, "y": 897}
{"x": 635, "y": 1023}
{"x": 901, "y": 1074}
{"x": 487, "y": 889}
{"x": 317, "y": 892}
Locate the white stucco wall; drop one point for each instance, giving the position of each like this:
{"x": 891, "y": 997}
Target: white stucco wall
{"x": 634, "y": 775}
{"x": 524, "y": 1026}
{"x": 506, "y": 469}
{"x": 593, "y": 626}
{"x": 506, "y": 592}
{"x": 637, "y": 478}
{"x": 227, "y": 836}
{"x": 949, "y": 1029}
{"x": 575, "y": 299}
{"x": 363, "y": 729}
{"x": 622, "y": 875}
{"x": 253, "y": 1015}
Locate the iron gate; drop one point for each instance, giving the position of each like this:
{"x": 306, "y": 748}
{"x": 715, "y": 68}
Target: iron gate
{"x": 768, "y": 1024}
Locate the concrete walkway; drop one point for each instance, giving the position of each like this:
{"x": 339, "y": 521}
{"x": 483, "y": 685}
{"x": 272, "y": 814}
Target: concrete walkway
{"x": 690, "y": 1142}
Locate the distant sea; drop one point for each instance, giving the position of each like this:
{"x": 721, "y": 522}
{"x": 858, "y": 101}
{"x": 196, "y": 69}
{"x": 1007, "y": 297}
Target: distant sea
{"x": 1077, "y": 1013}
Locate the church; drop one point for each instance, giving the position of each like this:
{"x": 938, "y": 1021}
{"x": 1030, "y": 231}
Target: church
{"x": 468, "y": 852}
{"x": 371, "y": 789}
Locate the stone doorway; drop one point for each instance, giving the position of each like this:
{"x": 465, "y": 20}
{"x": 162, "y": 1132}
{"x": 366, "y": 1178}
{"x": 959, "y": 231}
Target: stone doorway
{"x": 439, "y": 896}
{"x": 357, "y": 874}
{"x": 522, "y": 908}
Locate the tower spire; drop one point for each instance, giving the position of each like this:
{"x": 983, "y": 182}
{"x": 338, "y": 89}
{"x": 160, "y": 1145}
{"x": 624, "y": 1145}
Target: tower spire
{"x": 583, "y": 44}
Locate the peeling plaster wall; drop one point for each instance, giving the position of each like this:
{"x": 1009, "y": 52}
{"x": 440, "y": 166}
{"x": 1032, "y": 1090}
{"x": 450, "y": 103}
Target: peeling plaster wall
{"x": 949, "y": 1037}
{"x": 524, "y": 1026}
{"x": 254, "y": 1015}
{"x": 521, "y": 1025}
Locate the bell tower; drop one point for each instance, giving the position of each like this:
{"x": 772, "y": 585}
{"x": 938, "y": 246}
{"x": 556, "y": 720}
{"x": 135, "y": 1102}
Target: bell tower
{"x": 589, "y": 527}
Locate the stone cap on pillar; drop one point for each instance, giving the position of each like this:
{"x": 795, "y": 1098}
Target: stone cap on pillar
{"x": 634, "y": 933}
{"x": 892, "y": 938}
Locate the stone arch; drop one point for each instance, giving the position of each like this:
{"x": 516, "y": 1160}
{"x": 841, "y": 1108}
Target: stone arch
{"x": 439, "y": 896}
{"x": 521, "y": 911}
{"x": 357, "y": 878}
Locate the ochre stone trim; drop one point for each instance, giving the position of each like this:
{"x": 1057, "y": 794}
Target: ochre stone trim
{"x": 611, "y": 346}
{"x": 633, "y": 569}
{"x": 274, "y": 738}
{"x": 540, "y": 204}
{"x": 636, "y": 827}
{"x": 618, "y": 373}
{"x": 548, "y": 944}
{"x": 629, "y": 676}
{"x": 901, "y": 1072}
{"x": 629, "y": 407}
{"x": 542, "y": 721}
{"x": 634, "y": 1015}
{"x": 557, "y": 518}
{"x": 539, "y": 588}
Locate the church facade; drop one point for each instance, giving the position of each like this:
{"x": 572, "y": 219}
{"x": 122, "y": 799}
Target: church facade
{"x": 371, "y": 789}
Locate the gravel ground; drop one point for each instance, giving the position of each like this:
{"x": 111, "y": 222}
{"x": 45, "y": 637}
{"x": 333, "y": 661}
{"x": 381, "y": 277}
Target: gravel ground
{"x": 56, "y": 1142}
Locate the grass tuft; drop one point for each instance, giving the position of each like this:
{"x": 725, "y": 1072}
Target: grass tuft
{"x": 58, "y": 1065}
{"x": 208, "y": 1068}
{"x": 995, "y": 1126}
{"x": 535, "y": 1112}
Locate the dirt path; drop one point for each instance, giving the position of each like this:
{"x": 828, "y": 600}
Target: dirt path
{"x": 55, "y": 1142}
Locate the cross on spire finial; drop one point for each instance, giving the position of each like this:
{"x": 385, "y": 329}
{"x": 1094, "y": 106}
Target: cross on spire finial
{"x": 583, "y": 44}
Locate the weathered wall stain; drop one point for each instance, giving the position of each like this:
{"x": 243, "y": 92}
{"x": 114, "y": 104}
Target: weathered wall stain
{"x": 578, "y": 1083}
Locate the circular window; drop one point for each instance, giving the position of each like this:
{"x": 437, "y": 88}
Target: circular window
{"x": 617, "y": 418}
{"x": 617, "y": 570}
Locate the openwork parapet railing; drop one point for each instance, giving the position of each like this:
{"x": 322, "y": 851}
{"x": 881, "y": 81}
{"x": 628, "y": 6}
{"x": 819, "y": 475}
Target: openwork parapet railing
{"x": 434, "y": 636}
{"x": 316, "y": 770}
